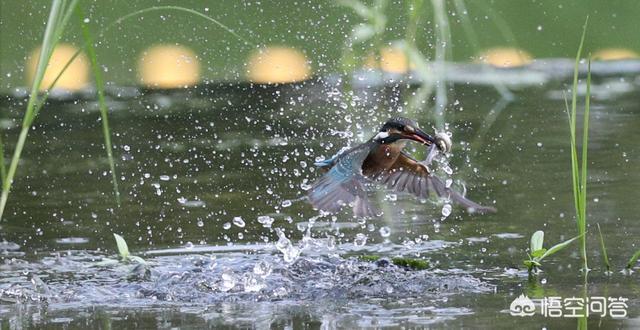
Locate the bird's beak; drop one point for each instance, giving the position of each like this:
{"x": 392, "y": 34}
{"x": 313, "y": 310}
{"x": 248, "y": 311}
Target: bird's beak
{"x": 422, "y": 137}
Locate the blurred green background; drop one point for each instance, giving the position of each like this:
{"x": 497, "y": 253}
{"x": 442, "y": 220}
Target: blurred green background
{"x": 318, "y": 28}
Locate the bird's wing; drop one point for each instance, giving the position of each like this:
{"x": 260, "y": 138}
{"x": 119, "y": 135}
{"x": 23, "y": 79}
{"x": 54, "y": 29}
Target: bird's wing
{"x": 343, "y": 184}
{"x": 409, "y": 175}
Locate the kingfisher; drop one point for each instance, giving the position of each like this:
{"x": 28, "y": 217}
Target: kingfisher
{"x": 382, "y": 160}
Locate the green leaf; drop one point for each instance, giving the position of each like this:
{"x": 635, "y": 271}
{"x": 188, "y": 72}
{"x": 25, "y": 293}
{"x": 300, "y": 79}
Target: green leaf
{"x": 633, "y": 260}
{"x": 558, "y": 247}
{"x": 538, "y": 253}
{"x": 536, "y": 240}
{"x": 123, "y": 249}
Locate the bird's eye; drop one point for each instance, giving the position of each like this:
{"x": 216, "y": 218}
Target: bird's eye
{"x": 409, "y": 129}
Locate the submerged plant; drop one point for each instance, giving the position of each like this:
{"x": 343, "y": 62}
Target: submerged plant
{"x": 123, "y": 251}
{"x": 537, "y": 252}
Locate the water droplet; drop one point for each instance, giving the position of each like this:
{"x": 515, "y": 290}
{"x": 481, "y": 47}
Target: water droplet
{"x": 286, "y": 203}
{"x": 289, "y": 252}
{"x": 446, "y": 210}
{"x": 305, "y": 186}
{"x": 360, "y": 239}
{"x": 238, "y": 222}
{"x": 385, "y": 231}
{"x": 226, "y": 225}
{"x": 266, "y": 220}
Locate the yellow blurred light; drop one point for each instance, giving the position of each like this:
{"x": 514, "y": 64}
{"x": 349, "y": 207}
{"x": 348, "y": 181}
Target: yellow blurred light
{"x": 168, "y": 66}
{"x": 392, "y": 59}
{"x": 505, "y": 57}
{"x": 74, "y": 78}
{"x": 273, "y": 65}
{"x": 613, "y": 54}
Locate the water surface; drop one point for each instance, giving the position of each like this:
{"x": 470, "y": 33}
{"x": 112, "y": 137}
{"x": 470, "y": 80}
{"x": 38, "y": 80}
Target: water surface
{"x": 211, "y": 174}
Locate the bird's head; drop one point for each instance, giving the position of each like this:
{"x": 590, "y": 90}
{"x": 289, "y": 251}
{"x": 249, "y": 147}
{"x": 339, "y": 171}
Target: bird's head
{"x": 400, "y": 128}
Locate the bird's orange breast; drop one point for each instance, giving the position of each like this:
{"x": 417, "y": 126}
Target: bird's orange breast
{"x": 381, "y": 159}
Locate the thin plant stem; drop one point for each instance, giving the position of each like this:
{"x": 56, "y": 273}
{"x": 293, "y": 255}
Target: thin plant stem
{"x": 3, "y": 168}
{"x": 583, "y": 181}
{"x": 53, "y": 31}
{"x": 605, "y": 258}
{"x": 442, "y": 48}
{"x": 633, "y": 260}
{"x": 104, "y": 113}
{"x": 187, "y": 10}
{"x": 580, "y": 179}
{"x": 415, "y": 7}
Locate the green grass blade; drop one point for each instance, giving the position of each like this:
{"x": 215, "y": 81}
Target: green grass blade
{"x": 585, "y": 144}
{"x": 3, "y": 168}
{"x": 578, "y": 178}
{"x": 53, "y": 30}
{"x": 104, "y": 113}
{"x": 605, "y": 258}
{"x": 558, "y": 247}
{"x": 633, "y": 260}
{"x": 178, "y": 8}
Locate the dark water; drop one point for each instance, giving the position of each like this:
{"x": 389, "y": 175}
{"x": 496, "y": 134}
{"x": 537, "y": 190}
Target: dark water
{"x": 190, "y": 162}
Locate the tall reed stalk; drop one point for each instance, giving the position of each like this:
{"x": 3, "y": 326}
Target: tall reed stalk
{"x": 59, "y": 15}
{"x": 579, "y": 175}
